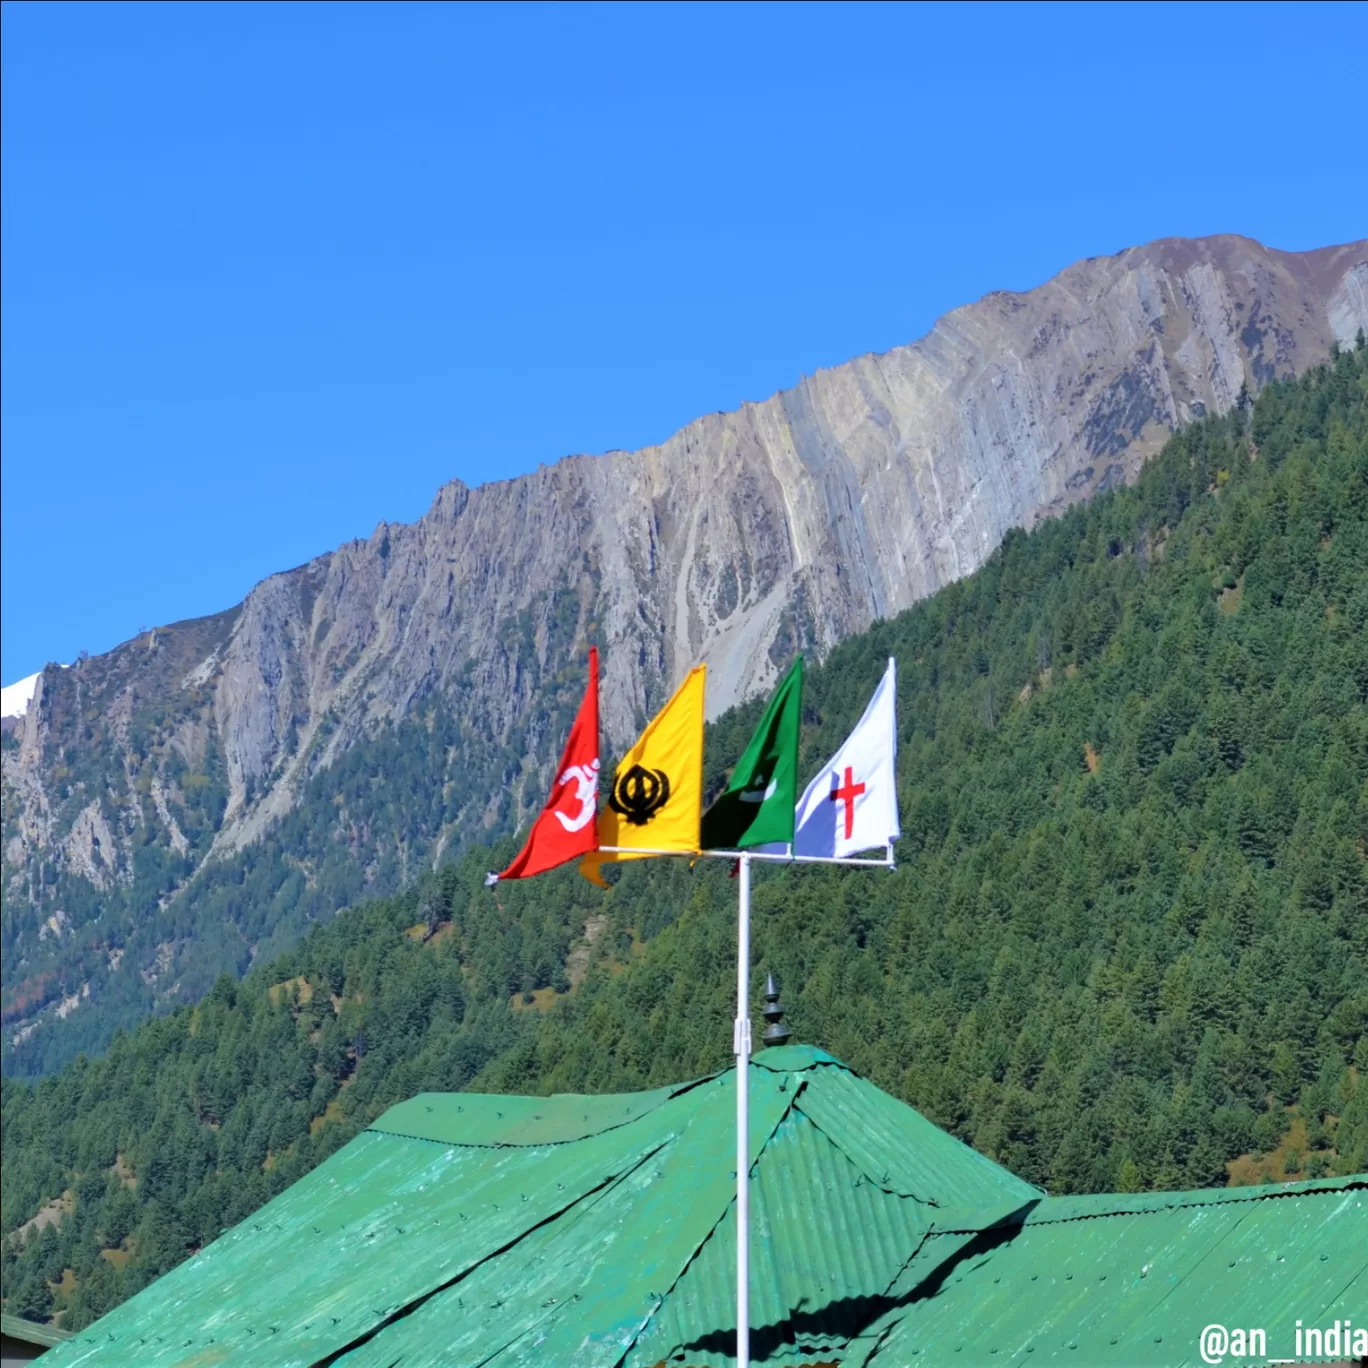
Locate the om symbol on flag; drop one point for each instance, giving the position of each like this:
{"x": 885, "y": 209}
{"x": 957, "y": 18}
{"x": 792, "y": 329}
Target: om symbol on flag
{"x": 585, "y": 779}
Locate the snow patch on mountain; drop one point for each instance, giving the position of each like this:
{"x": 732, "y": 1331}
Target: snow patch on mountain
{"x": 15, "y": 698}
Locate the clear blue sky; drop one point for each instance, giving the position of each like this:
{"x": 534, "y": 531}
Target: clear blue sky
{"x": 272, "y": 274}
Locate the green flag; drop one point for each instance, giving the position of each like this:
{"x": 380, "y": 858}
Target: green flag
{"x": 757, "y": 806}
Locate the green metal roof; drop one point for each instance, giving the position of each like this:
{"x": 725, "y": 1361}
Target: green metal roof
{"x": 489, "y": 1119}
{"x": 1119, "y": 1280}
{"x": 479, "y": 1230}
{"x": 30, "y": 1332}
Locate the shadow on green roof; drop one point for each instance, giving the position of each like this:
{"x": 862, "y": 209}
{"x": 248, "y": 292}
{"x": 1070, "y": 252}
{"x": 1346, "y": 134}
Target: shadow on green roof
{"x": 478, "y": 1229}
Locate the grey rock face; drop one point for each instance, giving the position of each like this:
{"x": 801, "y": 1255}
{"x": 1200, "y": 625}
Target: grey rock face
{"x": 747, "y": 536}
{"x": 863, "y": 489}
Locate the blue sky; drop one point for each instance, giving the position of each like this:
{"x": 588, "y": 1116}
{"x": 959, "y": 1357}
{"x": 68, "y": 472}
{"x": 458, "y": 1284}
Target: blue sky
{"x": 273, "y": 274}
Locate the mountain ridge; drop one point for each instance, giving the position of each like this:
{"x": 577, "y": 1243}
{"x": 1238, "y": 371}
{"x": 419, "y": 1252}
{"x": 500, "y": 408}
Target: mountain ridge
{"x": 745, "y": 537}
{"x": 1124, "y": 948}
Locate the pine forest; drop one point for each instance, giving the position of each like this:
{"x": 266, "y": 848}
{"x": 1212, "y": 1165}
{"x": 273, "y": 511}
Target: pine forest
{"x": 1125, "y": 946}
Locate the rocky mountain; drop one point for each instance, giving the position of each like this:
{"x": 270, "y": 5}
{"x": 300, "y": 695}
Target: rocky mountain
{"x": 197, "y": 795}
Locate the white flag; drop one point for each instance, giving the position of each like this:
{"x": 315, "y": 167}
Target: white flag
{"x": 852, "y": 804}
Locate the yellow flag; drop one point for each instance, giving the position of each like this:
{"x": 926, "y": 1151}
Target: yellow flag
{"x": 656, "y": 801}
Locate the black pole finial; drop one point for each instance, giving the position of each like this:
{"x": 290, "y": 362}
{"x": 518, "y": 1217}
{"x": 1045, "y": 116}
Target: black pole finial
{"x": 776, "y": 1033}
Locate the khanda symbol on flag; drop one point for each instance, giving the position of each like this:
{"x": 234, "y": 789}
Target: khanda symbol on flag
{"x": 655, "y": 802}
{"x": 639, "y": 794}
{"x": 653, "y": 806}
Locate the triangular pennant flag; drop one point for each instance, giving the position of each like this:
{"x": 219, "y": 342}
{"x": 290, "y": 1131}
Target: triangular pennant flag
{"x": 757, "y": 805}
{"x": 566, "y": 827}
{"x": 852, "y": 804}
{"x": 657, "y": 794}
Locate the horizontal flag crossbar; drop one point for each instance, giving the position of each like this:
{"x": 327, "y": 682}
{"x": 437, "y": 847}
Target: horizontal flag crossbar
{"x": 768, "y": 856}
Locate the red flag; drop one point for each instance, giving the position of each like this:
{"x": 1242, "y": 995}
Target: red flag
{"x": 566, "y": 828}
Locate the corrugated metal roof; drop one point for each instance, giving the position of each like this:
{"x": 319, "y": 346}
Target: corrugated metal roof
{"x": 825, "y": 1243}
{"x": 30, "y": 1332}
{"x": 580, "y": 1290}
{"x": 371, "y": 1231}
{"x": 492, "y": 1119}
{"x": 1119, "y": 1281}
{"x": 1085, "y": 1207}
{"x": 900, "y": 1149}
{"x": 511, "y": 1232}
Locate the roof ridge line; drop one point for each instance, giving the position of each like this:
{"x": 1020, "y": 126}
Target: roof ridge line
{"x": 973, "y": 1242}
{"x": 1154, "y": 1203}
{"x": 880, "y": 1183}
{"x": 712, "y": 1229}
{"x": 409, "y": 1307}
{"x": 677, "y": 1090}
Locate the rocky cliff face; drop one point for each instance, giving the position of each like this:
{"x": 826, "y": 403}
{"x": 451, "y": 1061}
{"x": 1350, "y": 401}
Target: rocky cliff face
{"x": 745, "y": 538}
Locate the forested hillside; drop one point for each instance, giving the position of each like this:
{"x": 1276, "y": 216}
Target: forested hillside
{"x": 1126, "y": 945}
{"x": 192, "y": 802}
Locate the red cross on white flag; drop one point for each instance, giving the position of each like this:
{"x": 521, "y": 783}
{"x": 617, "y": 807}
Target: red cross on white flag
{"x": 847, "y": 793}
{"x": 852, "y": 804}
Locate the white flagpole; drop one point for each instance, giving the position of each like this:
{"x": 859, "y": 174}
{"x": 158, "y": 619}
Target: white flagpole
{"x": 741, "y": 1027}
{"x": 741, "y": 1044}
